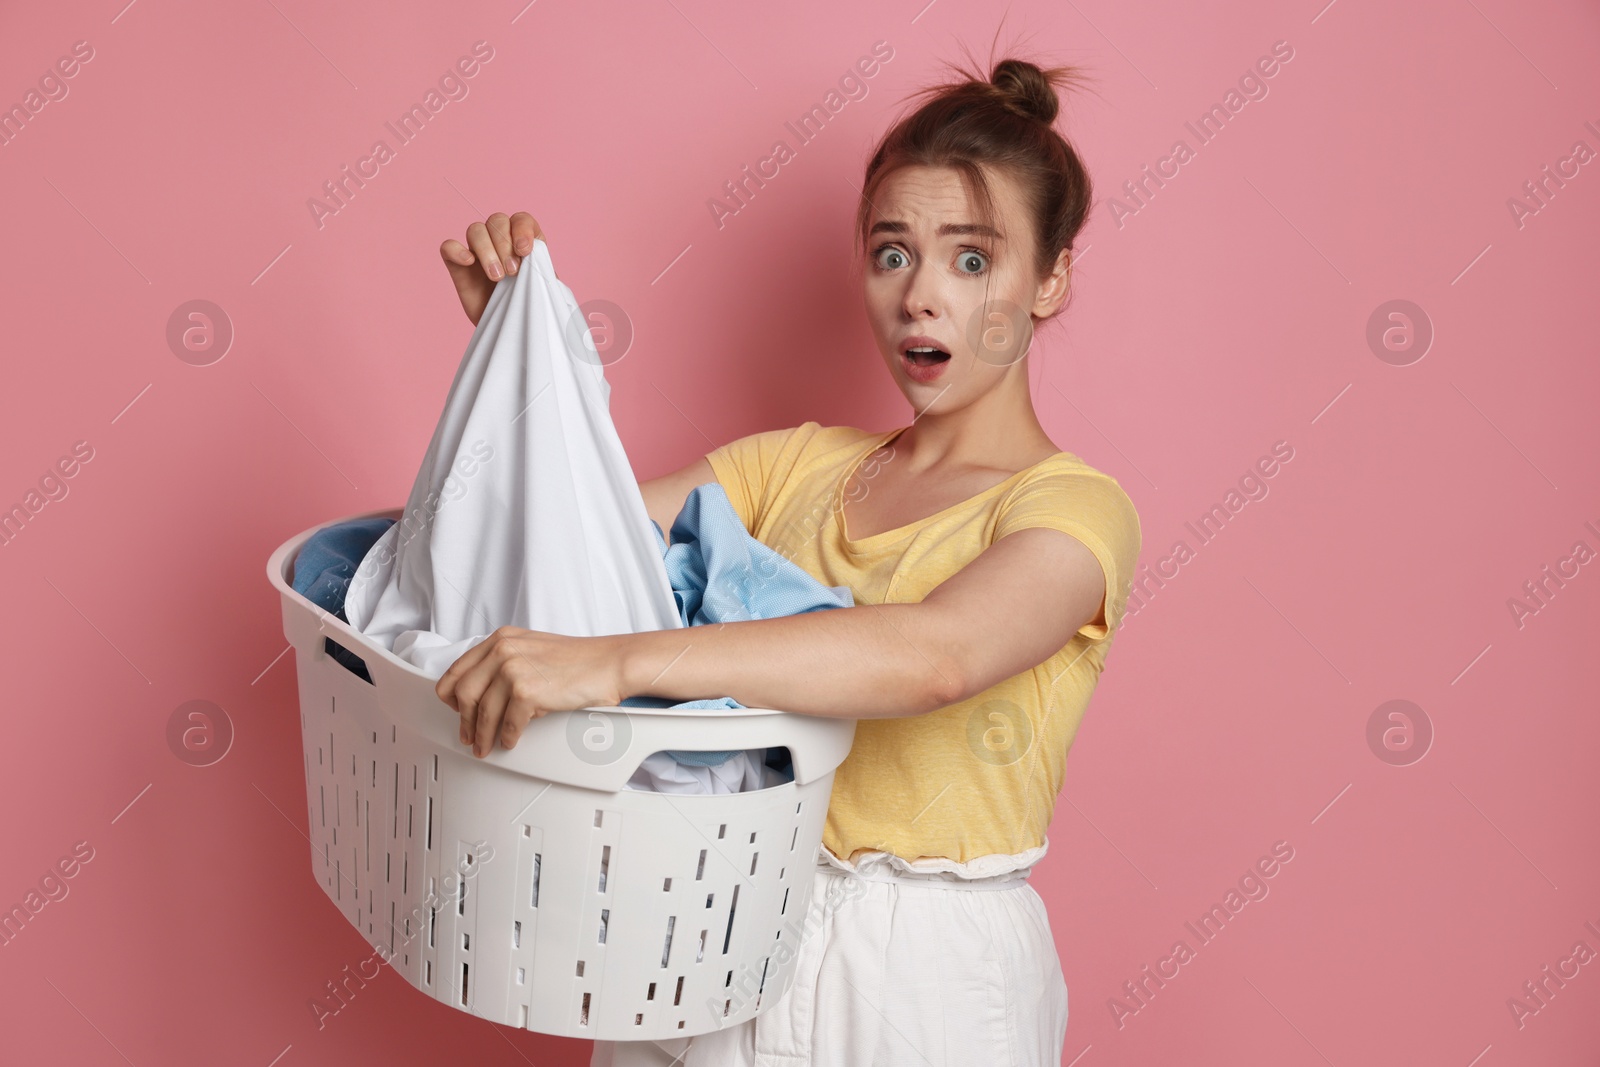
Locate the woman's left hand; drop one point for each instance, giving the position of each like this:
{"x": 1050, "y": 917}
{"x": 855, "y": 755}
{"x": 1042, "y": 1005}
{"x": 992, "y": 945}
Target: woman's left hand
{"x": 515, "y": 675}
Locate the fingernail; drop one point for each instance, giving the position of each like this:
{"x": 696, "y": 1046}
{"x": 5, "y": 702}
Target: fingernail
{"x": 511, "y": 266}
{"x": 494, "y": 271}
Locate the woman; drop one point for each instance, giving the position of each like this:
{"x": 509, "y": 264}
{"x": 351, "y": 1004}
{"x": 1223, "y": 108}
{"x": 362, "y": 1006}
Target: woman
{"x": 990, "y": 571}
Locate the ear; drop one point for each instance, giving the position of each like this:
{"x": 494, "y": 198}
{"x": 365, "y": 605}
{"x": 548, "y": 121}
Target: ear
{"x": 1053, "y": 290}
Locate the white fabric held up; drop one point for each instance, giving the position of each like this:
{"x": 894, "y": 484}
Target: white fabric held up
{"x": 525, "y": 511}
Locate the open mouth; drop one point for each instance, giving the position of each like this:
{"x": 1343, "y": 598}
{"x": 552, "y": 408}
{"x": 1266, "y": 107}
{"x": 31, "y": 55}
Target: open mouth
{"x": 926, "y": 355}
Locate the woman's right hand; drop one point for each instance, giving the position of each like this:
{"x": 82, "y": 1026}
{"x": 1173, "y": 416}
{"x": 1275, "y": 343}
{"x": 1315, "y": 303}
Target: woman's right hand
{"x": 494, "y": 248}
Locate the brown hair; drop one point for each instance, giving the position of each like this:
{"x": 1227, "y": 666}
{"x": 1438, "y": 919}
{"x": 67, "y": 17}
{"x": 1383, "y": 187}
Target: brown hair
{"x": 1004, "y": 122}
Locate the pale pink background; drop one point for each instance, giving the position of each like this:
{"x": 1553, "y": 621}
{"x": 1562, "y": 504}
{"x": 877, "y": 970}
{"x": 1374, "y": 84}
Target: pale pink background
{"x": 1228, "y": 314}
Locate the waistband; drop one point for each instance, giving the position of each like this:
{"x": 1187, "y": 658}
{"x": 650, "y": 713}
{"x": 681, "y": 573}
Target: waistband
{"x": 929, "y": 879}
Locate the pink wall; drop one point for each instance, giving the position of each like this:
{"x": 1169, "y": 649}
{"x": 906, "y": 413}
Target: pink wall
{"x": 1227, "y": 313}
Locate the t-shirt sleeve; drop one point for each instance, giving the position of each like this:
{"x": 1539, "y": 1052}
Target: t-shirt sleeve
{"x": 1092, "y": 507}
{"x": 745, "y": 469}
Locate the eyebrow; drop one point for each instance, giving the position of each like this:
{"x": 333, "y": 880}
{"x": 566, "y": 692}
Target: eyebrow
{"x": 948, "y": 229}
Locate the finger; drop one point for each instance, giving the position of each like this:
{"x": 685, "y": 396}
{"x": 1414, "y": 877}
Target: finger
{"x": 467, "y": 708}
{"x": 482, "y": 246}
{"x": 470, "y": 284}
{"x": 456, "y": 254}
{"x": 499, "y": 227}
{"x": 463, "y": 267}
{"x": 469, "y": 694}
{"x": 473, "y": 656}
{"x": 524, "y": 231}
{"x": 447, "y": 686}
{"x": 491, "y": 711}
{"x": 518, "y": 714}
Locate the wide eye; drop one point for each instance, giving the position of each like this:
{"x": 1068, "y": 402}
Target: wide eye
{"x": 970, "y": 262}
{"x": 891, "y": 258}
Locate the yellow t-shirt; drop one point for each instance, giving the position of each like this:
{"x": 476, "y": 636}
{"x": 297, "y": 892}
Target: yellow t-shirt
{"x": 978, "y": 777}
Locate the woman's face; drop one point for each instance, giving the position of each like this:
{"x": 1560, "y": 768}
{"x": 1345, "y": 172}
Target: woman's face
{"x": 937, "y": 278}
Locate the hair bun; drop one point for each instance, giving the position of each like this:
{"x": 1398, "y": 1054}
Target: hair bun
{"x": 1026, "y": 89}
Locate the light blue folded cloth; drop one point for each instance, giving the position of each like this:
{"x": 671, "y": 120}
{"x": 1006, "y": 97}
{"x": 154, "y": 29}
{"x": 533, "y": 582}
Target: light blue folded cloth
{"x": 720, "y": 573}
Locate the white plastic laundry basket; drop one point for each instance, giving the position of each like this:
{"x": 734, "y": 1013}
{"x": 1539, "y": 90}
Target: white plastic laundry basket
{"x": 531, "y": 887}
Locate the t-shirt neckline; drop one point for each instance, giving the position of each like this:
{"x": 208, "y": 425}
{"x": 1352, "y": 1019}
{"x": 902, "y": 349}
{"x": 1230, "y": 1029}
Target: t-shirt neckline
{"x": 899, "y": 532}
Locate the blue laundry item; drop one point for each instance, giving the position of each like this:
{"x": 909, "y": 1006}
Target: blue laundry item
{"x": 322, "y": 571}
{"x": 718, "y": 572}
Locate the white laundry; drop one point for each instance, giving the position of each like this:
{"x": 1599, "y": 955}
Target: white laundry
{"x": 525, "y": 511}
{"x": 932, "y": 964}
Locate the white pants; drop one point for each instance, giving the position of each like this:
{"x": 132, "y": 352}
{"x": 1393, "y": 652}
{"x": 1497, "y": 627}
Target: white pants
{"x": 899, "y": 967}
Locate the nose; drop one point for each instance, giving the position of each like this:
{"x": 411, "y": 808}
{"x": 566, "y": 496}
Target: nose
{"x": 921, "y": 298}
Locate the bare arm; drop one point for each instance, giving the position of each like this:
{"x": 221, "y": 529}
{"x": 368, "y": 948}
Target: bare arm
{"x": 1007, "y": 611}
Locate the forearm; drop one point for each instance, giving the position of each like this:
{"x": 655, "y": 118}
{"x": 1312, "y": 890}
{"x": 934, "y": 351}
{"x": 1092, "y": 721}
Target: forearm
{"x": 865, "y": 662}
